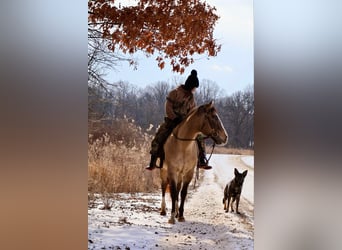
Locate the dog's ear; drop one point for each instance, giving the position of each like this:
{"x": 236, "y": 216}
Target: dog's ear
{"x": 244, "y": 173}
{"x": 236, "y": 172}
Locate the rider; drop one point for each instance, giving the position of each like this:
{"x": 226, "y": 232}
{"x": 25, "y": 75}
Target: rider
{"x": 178, "y": 104}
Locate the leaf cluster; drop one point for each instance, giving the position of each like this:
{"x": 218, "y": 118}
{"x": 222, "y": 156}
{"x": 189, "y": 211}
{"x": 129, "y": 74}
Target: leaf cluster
{"x": 175, "y": 29}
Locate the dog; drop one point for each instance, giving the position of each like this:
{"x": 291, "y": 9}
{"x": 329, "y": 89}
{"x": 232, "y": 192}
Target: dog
{"x": 233, "y": 191}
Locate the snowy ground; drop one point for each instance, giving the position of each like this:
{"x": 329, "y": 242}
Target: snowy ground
{"x": 135, "y": 223}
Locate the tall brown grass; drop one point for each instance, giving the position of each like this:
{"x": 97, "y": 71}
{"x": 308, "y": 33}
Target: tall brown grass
{"x": 115, "y": 166}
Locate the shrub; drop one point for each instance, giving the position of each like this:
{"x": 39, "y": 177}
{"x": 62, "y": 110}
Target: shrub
{"x": 118, "y": 165}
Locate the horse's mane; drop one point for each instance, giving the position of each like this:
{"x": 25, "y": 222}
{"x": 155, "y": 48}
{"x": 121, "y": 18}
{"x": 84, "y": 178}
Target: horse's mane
{"x": 199, "y": 109}
{"x": 191, "y": 112}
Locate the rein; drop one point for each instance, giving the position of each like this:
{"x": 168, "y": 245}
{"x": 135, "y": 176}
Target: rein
{"x": 211, "y": 153}
{"x": 205, "y": 138}
{"x": 182, "y": 139}
{"x": 212, "y": 150}
{"x": 187, "y": 139}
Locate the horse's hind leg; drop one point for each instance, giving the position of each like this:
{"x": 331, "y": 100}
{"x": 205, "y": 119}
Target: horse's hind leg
{"x": 183, "y": 196}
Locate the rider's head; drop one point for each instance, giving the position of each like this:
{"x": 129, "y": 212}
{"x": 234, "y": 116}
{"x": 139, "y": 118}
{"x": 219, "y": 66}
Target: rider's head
{"x": 192, "y": 81}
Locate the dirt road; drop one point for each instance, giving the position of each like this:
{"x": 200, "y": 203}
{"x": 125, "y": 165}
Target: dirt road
{"x": 135, "y": 223}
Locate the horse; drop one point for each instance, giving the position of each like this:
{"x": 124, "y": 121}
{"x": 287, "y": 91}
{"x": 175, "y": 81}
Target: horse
{"x": 181, "y": 154}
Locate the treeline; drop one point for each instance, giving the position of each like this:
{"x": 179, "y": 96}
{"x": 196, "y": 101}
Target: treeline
{"x": 145, "y": 108}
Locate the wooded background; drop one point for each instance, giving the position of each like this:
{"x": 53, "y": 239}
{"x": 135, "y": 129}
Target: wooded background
{"x": 145, "y": 108}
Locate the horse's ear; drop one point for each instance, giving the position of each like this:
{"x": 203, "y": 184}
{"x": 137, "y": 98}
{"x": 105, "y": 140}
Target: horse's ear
{"x": 208, "y": 106}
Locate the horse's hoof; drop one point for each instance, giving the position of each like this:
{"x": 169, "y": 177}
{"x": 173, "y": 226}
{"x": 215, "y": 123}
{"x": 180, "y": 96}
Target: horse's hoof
{"x": 172, "y": 221}
{"x": 162, "y": 213}
{"x": 181, "y": 219}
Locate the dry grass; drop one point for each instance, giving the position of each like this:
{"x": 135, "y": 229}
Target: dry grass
{"x": 233, "y": 151}
{"x": 114, "y": 166}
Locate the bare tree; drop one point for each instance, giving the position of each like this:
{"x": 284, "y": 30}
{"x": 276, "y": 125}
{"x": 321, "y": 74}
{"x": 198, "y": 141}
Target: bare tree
{"x": 124, "y": 100}
{"x": 208, "y": 91}
{"x": 176, "y": 81}
{"x": 153, "y": 104}
{"x": 101, "y": 59}
{"x": 238, "y": 117}
{"x": 160, "y": 90}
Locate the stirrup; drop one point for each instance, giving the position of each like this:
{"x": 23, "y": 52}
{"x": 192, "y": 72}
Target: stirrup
{"x": 204, "y": 166}
{"x": 154, "y": 165}
{"x": 150, "y": 167}
{"x": 203, "y": 163}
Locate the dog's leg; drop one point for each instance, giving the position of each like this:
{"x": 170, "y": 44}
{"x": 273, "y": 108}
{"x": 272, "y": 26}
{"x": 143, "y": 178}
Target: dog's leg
{"x": 237, "y": 204}
{"x": 225, "y": 198}
{"x": 228, "y": 201}
{"x": 231, "y": 205}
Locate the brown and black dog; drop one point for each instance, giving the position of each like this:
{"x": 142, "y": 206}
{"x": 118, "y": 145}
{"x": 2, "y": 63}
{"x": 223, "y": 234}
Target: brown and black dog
{"x": 233, "y": 190}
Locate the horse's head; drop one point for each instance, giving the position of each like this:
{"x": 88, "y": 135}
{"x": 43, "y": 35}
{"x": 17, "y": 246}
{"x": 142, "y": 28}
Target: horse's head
{"x": 212, "y": 125}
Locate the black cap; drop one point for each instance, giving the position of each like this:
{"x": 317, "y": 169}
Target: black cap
{"x": 192, "y": 81}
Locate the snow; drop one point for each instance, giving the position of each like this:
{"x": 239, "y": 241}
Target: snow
{"x": 134, "y": 221}
{"x": 248, "y": 160}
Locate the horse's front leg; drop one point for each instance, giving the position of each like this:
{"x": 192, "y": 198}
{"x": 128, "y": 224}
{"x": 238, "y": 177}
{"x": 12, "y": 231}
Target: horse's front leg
{"x": 179, "y": 186}
{"x": 177, "y": 209}
{"x": 164, "y": 182}
{"x": 174, "y": 198}
{"x": 163, "y": 203}
{"x": 183, "y": 196}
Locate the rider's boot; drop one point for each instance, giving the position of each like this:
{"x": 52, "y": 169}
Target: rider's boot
{"x": 203, "y": 162}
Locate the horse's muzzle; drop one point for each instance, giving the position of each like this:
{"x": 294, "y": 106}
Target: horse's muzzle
{"x": 220, "y": 140}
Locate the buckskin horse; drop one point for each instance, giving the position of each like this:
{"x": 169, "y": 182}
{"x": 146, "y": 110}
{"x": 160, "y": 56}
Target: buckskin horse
{"x": 181, "y": 154}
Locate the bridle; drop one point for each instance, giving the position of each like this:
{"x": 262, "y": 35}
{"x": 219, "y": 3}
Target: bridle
{"x": 210, "y": 135}
{"x": 212, "y": 125}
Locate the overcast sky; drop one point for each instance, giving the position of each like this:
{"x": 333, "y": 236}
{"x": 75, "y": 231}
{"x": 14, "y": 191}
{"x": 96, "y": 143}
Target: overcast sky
{"x": 231, "y": 69}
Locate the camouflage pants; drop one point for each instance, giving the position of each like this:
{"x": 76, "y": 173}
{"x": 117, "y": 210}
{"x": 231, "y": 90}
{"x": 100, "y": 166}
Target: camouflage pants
{"x": 162, "y": 134}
